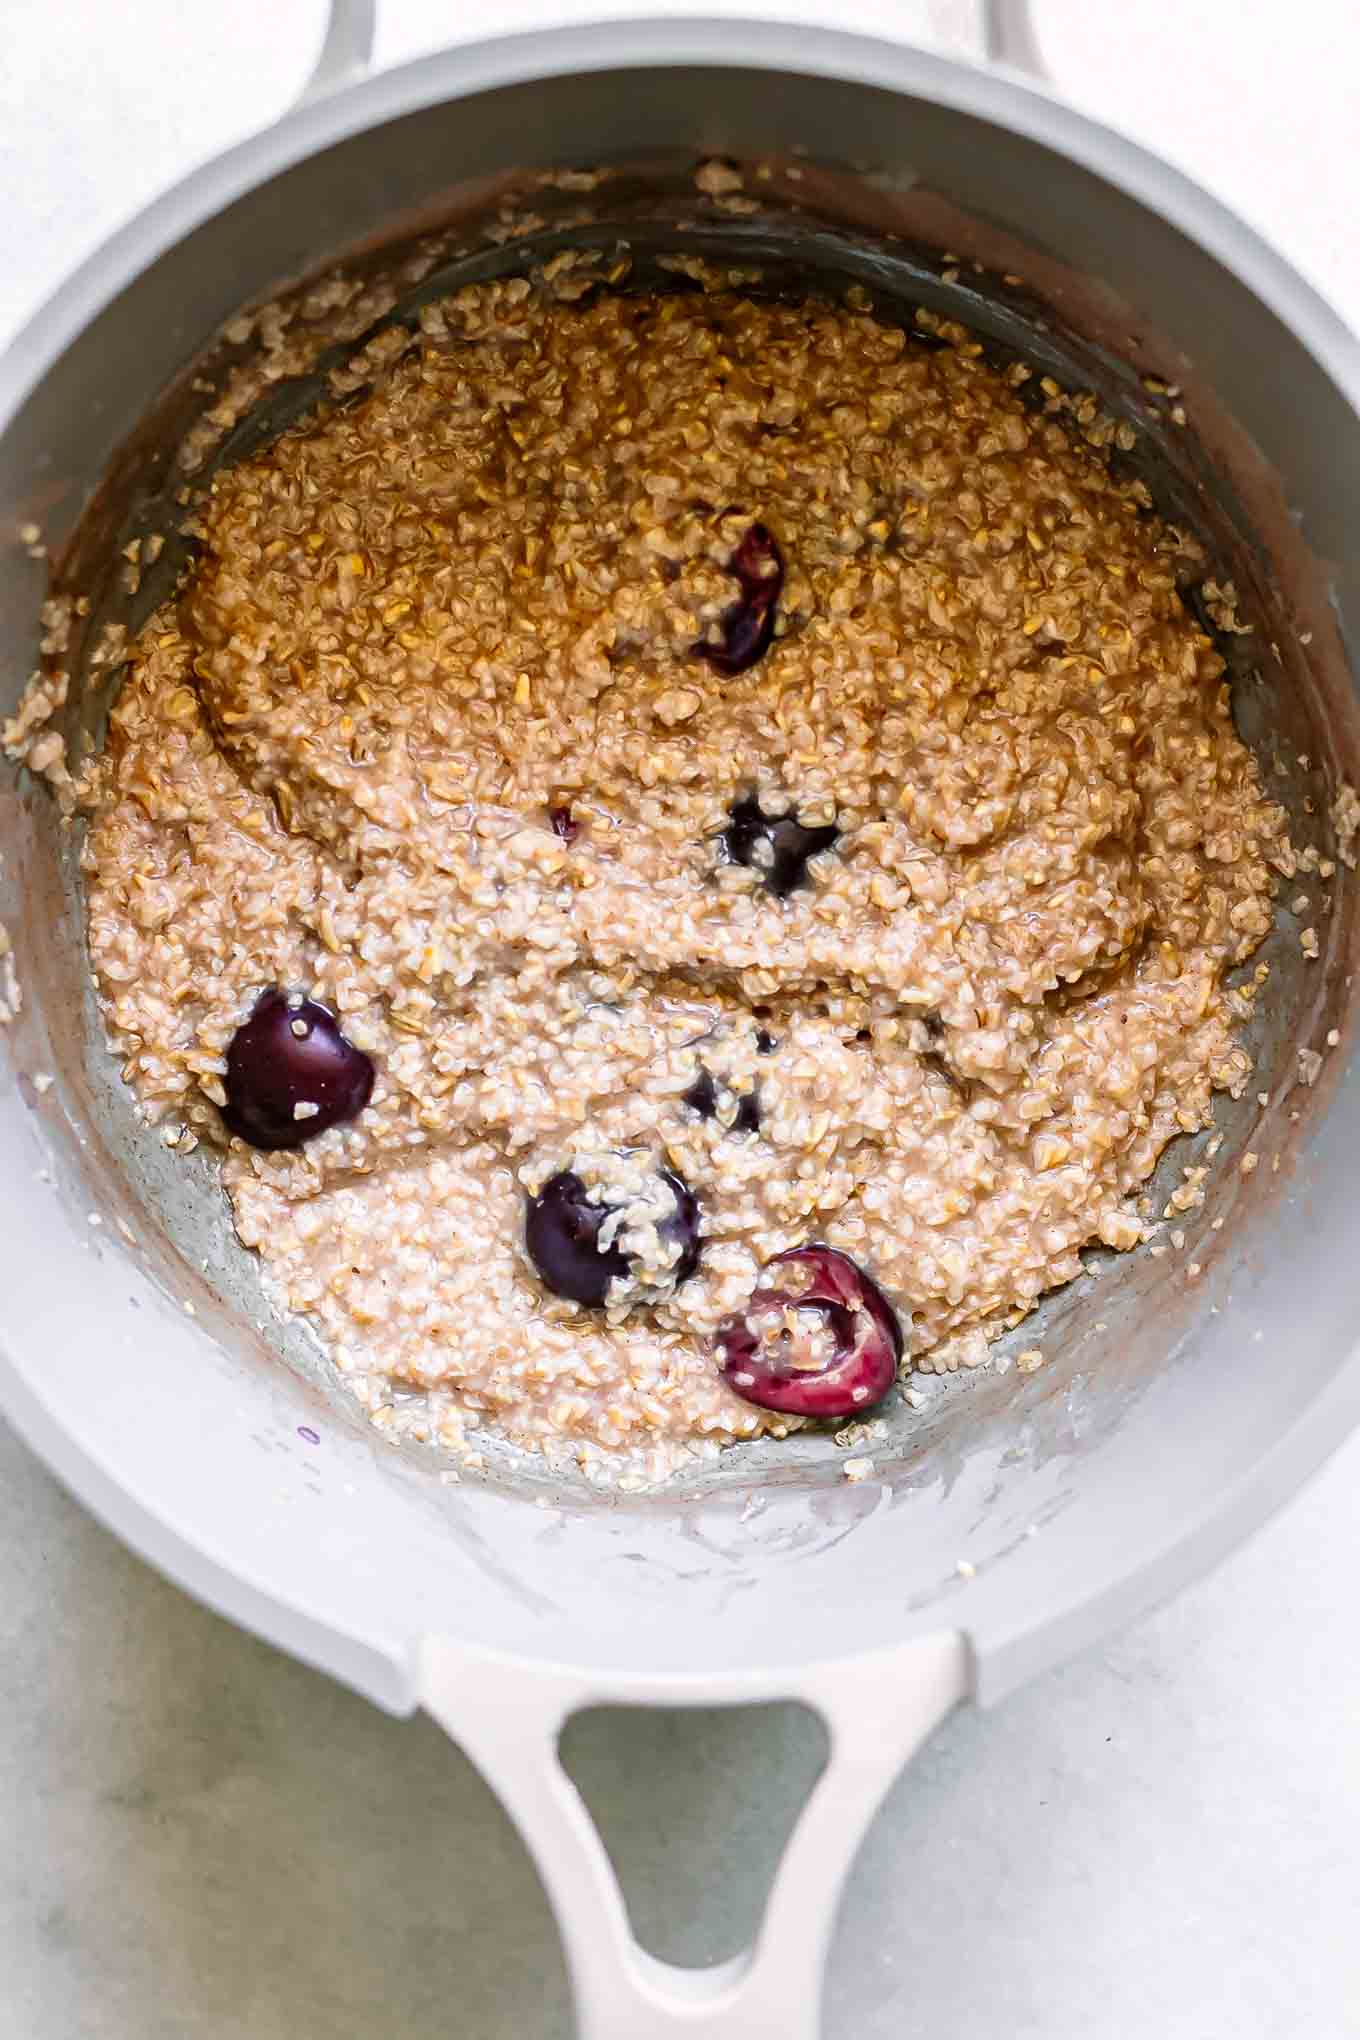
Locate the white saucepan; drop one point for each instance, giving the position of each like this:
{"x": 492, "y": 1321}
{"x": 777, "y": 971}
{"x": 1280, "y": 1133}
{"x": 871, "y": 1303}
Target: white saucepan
{"x": 1016, "y": 1516}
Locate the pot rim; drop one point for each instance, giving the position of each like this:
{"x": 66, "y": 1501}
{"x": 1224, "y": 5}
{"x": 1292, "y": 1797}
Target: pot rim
{"x": 844, "y": 56}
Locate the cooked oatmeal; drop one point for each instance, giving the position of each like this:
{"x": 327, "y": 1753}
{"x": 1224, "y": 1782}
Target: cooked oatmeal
{"x": 697, "y": 748}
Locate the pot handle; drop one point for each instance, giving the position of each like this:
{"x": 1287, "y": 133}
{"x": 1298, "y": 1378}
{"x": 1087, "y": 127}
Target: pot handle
{"x": 346, "y": 52}
{"x": 508, "y": 1717}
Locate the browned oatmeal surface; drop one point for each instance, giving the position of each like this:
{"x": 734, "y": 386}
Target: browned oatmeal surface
{"x": 468, "y": 601}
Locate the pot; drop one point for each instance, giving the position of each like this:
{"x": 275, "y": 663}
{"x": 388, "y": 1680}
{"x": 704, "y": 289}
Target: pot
{"x": 1019, "y": 1516}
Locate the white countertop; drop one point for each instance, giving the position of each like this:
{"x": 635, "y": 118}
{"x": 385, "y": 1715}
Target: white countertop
{"x": 203, "y": 1841}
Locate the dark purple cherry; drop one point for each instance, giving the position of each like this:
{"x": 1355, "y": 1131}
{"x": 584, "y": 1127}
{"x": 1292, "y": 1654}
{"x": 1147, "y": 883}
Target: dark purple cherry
{"x": 291, "y": 1074}
{"x": 682, "y": 1227}
{"x": 765, "y": 1042}
{"x": 747, "y": 1118}
{"x": 562, "y": 1234}
{"x": 564, "y": 823}
{"x": 776, "y": 845}
{"x": 747, "y": 626}
{"x": 850, "y": 1338}
{"x": 702, "y": 1097}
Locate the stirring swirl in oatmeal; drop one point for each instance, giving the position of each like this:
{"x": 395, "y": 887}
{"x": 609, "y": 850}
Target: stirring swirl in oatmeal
{"x": 709, "y": 756}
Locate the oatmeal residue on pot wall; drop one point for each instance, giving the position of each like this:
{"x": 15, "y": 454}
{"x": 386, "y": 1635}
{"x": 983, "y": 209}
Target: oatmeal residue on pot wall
{"x": 450, "y": 731}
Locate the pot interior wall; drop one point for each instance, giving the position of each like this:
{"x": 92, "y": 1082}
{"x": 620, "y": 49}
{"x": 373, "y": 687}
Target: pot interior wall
{"x": 993, "y": 1456}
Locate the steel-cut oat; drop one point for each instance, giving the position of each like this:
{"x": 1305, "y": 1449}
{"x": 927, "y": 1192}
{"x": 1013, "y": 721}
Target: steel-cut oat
{"x": 426, "y": 737}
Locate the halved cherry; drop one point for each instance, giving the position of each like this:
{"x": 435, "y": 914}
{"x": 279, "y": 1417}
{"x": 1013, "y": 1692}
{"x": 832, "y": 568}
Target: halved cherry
{"x": 827, "y": 1345}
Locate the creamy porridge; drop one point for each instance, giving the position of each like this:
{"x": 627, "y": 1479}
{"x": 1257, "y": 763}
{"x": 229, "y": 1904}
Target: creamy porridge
{"x": 651, "y": 787}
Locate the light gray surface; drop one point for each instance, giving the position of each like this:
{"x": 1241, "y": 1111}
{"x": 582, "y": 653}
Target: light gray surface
{"x": 205, "y": 1839}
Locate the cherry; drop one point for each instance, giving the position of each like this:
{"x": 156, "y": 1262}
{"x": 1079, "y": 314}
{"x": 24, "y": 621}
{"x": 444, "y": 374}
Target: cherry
{"x": 562, "y": 1234}
{"x": 747, "y": 626}
{"x": 777, "y": 845}
{"x": 747, "y": 1119}
{"x": 683, "y": 1227}
{"x": 702, "y": 1097}
{"x": 291, "y": 1074}
{"x": 769, "y": 1352}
